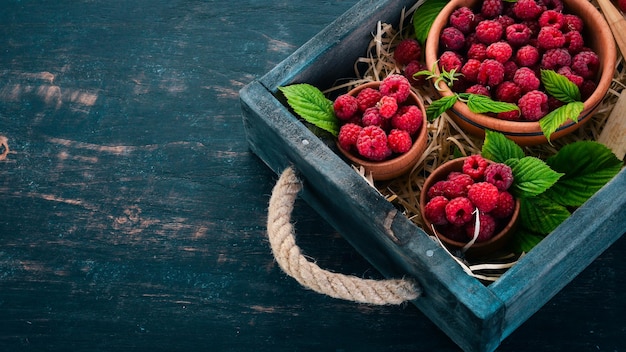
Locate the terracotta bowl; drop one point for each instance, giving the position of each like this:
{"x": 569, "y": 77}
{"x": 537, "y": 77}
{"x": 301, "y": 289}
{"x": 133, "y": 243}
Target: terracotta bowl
{"x": 597, "y": 36}
{"x": 398, "y": 165}
{"x": 498, "y": 241}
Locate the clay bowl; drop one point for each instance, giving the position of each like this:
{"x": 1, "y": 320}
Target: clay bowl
{"x": 400, "y": 164}
{"x": 480, "y": 249}
{"x": 597, "y": 36}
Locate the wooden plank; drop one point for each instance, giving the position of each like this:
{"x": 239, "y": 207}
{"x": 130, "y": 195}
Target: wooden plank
{"x": 614, "y": 133}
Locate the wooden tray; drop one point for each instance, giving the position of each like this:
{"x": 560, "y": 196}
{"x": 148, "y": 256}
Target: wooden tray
{"x": 475, "y": 316}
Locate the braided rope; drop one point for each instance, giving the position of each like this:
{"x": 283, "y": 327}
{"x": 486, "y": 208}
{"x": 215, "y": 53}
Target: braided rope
{"x": 293, "y": 263}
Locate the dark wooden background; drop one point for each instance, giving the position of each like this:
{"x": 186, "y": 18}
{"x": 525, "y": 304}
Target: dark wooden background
{"x": 132, "y": 213}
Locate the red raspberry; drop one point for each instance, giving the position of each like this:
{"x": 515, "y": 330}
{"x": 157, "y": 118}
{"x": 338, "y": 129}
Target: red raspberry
{"x": 452, "y": 38}
{"x": 459, "y": 211}
{"x": 489, "y": 31}
{"x": 526, "y": 79}
{"x": 500, "y": 51}
{"x": 348, "y": 134}
{"x": 479, "y": 89}
{"x": 572, "y": 23}
{"x": 399, "y": 141}
{"x": 345, "y": 106}
{"x": 505, "y": 20}
{"x": 510, "y": 67}
{"x": 527, "y": 56}
{"x": 533, "y": 105}
{"x": 587, "y": 88}
{"x": 518, "y": 34}
{"x": 499, "y": 175}
{"x": 408, "y": 118}
{"x": 554, "y": 103}
{"x": 470, "y": 70}
{"x": 368, "y": 98}
{"x": 574, "y": 42}
{"x": 491, "y": 8}
{"x": 508, "y": 91}
{"x": 556, "y": 5}
{"x": 586, "y": 64}
{"x": 551, "y": 18}
{"x": 460, "y": 182}
{"x": 437, "y": 189}
{"x": 411, "y": 69}
{"x": 463, "y": 19}
{"x": 406, "y": 51}
{"x": 396, "y": 86}
{"x": 435, "y": 210}
{"x": 372, "y": 117}
{"x": 490, "y": 73}
{"x": 372, "y": 143}
{"x": 477, "y": 51}
{"x": 486, "y": 229}
{"x": 450, "y": 60}
{"x": 475, "y": 166}
{"x": 505, "y": 206}
{"x": 550, "y": 38}
{"x": 387, "y": 106}
{"x": 554, "y": 59}
{"x": 527, "y": 9}
{"x": 513, "y": 115}
{"x": 484, "y": 195}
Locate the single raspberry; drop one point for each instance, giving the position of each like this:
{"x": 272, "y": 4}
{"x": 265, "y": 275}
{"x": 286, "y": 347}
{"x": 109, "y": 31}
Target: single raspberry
{"x": 479, "y": 89}
{"x": 505, "y": 20}
{"x": 574, "y": 42}
{"x": 527, "y": 56}
{"x": 533, "y": 105}
{"x": 470, "y": 69}
{"x": 348, "y": 135}
{"x": 367, "y": 98}
{"x": 459, "y": 211}
{"x": 500, "y": 51}
{"x": 454, "y": 190}
{"x": 554, "y": 59}
{"x": 572, "y": 23}
{"x": 396, "y": 86}
{"x": 435, "y": 210}
{"x": 513, "y": 115}
{"x": 484, "y": 195}
{"x": 526, "y": 79}
{"x": 372, "y": 143}
{"x": 556, "y": 5}
{"x": 574, "y": 78}
{"x": 475, "y": 166}
{"x": 587, "y": 89}
{"x": 500, "y": 175}
{"x": 486, "y": 228}
{"x": 505, "y": 206}
{"x": 586, "y": 64}
{"x": 489, "y": 31}
{"x": 411, "y": 69}
{"x": 510, "y": 67}
{"x": 527, "y": 9}
{"x": 463, "y": 19}
{"x": 372, "y": 117}
{"x": 452, "y": 38}
{"x": 406, "y": 51}
{"x": 490, "y": 73}
{"x": 408, "y": 118}
{"x": 345, "y": 106}
{"x": 437, "y": 189}
{"x": 550, "y": 38}
{"x": 551, "y": 18}
{"x": 461, "y": 184}
{"x": 518, "y": 34}
{"x": 554, "y": 103}
{"x": 477, "y": 51}
{"x": 491, "y": 8}
{"x": 534, "y": 30}
{"x": 387, "y": 105}
{"x": 450, "y": 60}
{"x": 508, "y": 91}
{"x": 399, "y": 141}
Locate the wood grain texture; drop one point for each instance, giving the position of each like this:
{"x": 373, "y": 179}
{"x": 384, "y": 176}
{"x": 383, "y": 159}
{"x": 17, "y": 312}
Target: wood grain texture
{"x": 133, "y": 213}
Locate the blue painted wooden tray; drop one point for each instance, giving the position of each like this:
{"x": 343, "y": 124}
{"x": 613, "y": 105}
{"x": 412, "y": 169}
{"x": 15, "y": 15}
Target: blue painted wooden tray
{"x": 475, "y": 316}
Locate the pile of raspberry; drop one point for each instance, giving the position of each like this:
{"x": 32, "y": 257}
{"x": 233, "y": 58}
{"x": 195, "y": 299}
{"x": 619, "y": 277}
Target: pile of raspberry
{"x": 379, "y": 124}
{"x": 481, "y": 187}
{"x": 500, "y": 48}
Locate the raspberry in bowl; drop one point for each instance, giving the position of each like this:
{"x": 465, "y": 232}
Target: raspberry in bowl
{"x": 506, "y": 45}
{"x": 383, "y": 127}
{"x": 457, "y": 192}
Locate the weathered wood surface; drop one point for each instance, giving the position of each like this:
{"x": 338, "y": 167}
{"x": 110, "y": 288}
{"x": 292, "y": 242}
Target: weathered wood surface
{"x": 133, "y": 212}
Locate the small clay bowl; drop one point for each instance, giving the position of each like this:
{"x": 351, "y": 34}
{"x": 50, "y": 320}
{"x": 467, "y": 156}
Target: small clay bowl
{"x": 398, "y": 165}
{"x": 480, "y": 249}
{"x": 597, "y": 36}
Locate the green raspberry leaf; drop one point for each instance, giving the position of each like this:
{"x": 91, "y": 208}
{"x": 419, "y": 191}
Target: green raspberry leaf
{"x": 532, "y": 176}
{"x": 541, "y": 214}
{"x": 587, "y": 167}
{"x": 552, "y": 121}
{"x": 499, "y": 149}
{"x": 438, "y": 107}
{"x": 560, "y": 86}
{"x": 424, "y": 17}
{"x": 311, "y": 104}
{"x": 525, "y": 240}
{"x": 481, "y": 104}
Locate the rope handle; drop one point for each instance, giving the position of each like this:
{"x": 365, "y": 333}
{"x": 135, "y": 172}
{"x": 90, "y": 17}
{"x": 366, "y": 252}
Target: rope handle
{"x": 287, "y": 253}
